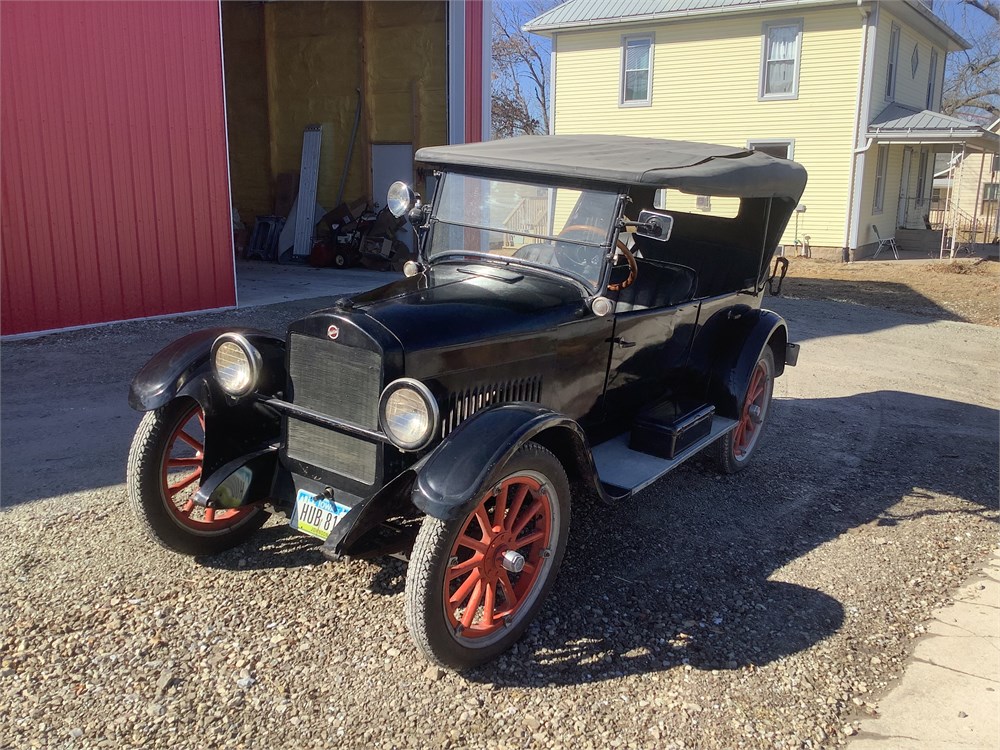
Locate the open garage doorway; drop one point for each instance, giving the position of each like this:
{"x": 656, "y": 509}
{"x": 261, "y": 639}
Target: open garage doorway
{"x": 373, "y": 76}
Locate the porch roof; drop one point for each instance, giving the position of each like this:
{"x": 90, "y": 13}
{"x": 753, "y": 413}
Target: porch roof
{"x": 900, "y": 124}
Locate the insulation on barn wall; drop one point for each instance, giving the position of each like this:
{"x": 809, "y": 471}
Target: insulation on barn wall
{"x": 309, "y": 72}
{"x": 115, "y": 190}
{"x": 407, "y": 77}
{"x": 247, "y": 108}
{"x": 314, "y": 70}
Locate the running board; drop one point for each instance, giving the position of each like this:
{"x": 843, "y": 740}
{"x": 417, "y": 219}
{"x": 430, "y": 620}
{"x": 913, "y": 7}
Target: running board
{"x": 624, "y": 471}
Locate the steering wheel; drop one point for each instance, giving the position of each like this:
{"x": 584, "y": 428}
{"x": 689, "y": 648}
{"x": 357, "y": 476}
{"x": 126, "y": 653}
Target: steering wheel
{"x": 633, "y": 269}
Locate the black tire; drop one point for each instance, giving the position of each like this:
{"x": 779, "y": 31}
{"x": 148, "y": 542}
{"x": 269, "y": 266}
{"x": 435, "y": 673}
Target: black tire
{"x": 734, "y": 451}
{"x": 341, "y": 260}
{"x": 433, "y": 625}
{"x": 160, "y": 515}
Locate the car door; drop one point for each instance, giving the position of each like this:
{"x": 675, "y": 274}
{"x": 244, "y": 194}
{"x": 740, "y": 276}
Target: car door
{"x": 649, "y": 351}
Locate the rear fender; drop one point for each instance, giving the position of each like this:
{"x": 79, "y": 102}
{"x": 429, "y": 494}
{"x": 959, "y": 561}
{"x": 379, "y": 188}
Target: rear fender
{"x": 730, "y": 350}
{"x": 452, "y": 479}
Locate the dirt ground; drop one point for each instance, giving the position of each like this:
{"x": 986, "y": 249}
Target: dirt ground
{"x": 964, "y": 290}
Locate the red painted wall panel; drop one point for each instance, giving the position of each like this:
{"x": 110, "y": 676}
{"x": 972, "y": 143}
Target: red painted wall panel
{"x": 115, "y": 192}
{"x": 474, "y": 70}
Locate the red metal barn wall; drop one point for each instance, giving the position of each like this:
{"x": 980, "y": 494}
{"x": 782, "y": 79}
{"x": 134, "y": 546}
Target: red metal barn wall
{"x": 115, "y": 188}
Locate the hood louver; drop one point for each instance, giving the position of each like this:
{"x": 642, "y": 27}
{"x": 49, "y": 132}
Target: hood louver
{"x": 461, "y": 405}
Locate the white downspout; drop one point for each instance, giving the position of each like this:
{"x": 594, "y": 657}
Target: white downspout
{"x": 863, "y": 110}
{"x": 552, "y": 84}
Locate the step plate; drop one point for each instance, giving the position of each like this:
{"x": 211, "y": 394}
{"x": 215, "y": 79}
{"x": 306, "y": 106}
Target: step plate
{"x": 619, "y": 465}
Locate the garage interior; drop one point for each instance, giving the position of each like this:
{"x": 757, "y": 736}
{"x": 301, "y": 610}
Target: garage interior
{"x": 374, "y": 70}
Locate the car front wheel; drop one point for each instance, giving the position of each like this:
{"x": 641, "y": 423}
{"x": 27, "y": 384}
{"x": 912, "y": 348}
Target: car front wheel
{"x": 164, "y": 473}
{"x": 735, "y": 449}
{"x": 475, "y": 583}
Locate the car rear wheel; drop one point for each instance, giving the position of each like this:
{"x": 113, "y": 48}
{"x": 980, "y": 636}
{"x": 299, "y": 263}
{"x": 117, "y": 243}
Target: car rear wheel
{"x": 164, "y": 473}
{"x": 475, "y": 583}
{"x": 737, "y": 447}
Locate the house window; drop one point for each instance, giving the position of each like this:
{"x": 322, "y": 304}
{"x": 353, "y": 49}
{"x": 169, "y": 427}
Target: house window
{"x": 922, "y": 177}
{"x": 932, "y": 79}
{"x": 780, "y": 149}
{"x": 991, "y": 191}
{"x": 890, "y": 73}
{"x": 881, "y": 164}
{"x": 637, "y": 70}
{"x": 779, "y": 74}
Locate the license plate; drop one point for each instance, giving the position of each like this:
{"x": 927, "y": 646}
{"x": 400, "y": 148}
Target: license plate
{"x": 316, "y": 515}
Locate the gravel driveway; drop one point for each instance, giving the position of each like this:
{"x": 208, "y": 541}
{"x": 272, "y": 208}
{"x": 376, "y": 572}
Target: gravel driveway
{"x": 764, "y": 610}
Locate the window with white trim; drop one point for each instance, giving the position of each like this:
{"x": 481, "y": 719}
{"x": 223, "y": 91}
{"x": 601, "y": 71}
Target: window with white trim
{"x": 890, "y": 71}
{"x": 778, "y": 148}
{"x": 922, "y": 177}
{"x": 932, "y": 79}
{"x": 779, "y": 74}
{"x": 637, "y": 70}
{"x": 881, "y": 165}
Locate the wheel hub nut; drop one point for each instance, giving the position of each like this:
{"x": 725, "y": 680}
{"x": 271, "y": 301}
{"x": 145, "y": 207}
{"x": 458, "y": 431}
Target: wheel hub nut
{"x": 754, "y": 411}
{"x": 512, "y": 561}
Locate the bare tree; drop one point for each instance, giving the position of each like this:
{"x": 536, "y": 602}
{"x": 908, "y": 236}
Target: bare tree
{"x": 972, "y": 78}
{"x": 520, "y": 96}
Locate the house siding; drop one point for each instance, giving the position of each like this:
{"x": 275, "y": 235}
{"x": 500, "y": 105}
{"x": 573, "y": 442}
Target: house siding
{"x": 820, "y": 120}
{"x": 911, "y": 89}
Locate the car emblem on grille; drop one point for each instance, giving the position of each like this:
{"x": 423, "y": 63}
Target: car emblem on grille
{"x": 333, "y": 332}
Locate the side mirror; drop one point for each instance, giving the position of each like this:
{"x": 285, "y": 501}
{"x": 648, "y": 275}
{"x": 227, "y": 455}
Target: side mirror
{"x": 655, "y": 225}
{"x": 400, "y": 199}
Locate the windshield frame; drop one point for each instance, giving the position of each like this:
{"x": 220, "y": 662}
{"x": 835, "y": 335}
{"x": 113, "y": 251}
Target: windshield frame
{"x": 592, "y": 288}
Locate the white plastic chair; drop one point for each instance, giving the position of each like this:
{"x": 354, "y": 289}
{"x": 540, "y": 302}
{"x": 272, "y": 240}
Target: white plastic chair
{"x": 888, "y": 242}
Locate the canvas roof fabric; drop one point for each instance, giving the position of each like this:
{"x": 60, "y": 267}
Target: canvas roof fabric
{"x": 697, "y": 168}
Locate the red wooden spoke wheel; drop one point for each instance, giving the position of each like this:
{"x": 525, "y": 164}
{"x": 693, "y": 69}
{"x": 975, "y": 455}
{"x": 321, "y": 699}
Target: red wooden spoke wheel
{"x": 475, "y": 583}
{"x": 164, "y": 473}
{"x": 752, "y": 415}
{"x": 735, "y": 450}
{"x": 497, "y": 558}
{"x": 181, "y": 474}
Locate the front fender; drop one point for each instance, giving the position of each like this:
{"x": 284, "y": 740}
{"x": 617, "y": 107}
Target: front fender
{"x": 183, "y": 368}
{"x": 454, "y": 477}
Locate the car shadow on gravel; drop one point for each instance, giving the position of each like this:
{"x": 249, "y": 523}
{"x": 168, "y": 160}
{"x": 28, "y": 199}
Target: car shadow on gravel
{"x": 686, "y": 574}
{"x": 274, "y": 546}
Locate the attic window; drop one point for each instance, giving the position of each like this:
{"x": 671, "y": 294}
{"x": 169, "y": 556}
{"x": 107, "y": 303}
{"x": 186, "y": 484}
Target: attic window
{"x": 890, "y": 72}
{"x": 637, "y": 70}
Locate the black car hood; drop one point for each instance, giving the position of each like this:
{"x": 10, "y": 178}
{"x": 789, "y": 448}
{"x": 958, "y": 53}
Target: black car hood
{"x": 453, "y": 306}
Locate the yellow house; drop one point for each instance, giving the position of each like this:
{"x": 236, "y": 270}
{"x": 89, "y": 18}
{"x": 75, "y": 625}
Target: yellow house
{"x": 848, "y": 88}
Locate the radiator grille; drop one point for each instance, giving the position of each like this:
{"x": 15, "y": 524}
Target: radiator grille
{"x": 335, "y": 380}
{"x": 341, "y": 382}
{"x": 332, "y": 450}
{"x": 463, "y": 404}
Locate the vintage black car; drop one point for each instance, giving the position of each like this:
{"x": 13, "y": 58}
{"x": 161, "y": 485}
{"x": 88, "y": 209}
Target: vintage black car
{"x": 577, "y": 318}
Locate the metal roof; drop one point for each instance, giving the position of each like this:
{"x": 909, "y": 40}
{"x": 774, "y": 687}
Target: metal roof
{"x": 898, "y": 122}
{"x": 698, "y": 168}
{"x": 577, "y": 14}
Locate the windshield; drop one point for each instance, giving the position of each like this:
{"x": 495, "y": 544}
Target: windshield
{"x": 557, "y": 228}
